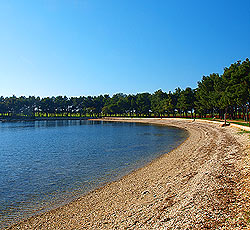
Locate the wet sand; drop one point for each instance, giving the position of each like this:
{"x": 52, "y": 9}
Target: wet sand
{"x": 202, "y": 184}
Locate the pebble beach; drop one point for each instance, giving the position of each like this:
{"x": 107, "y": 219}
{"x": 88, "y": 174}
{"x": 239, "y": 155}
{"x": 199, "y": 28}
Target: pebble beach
{"x": 201, "y": 184}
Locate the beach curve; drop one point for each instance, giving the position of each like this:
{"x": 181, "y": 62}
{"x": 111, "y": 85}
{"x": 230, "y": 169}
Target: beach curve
{"x": 202, "y": 184}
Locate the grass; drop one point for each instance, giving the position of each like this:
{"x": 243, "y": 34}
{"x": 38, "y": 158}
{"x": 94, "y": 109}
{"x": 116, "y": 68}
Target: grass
{"x": 239, "y": 123}
{"x": 242, "y": 131}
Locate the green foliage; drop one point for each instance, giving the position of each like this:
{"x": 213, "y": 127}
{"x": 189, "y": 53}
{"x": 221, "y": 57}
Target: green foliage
{"x": 143, "y": 103}
{"x": 158, "y": 100}
{"x": 186, "y": 101}
{"x": 242, "y": 131}
{"x": 215, "y": 94}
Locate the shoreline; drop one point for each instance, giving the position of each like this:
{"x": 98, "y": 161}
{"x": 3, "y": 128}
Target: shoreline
{"x": 197, "y": 185}
{"x": 28, "y": 119}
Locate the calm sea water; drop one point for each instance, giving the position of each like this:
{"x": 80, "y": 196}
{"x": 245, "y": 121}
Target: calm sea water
{"x": 44, "y": 164}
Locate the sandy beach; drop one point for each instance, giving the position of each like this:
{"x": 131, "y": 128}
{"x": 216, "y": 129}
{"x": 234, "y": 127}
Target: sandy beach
{"x": 202, "y": 184}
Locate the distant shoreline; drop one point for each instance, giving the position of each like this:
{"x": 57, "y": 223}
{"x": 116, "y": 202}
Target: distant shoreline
{"x": 201, "y": 184}
{"x": 15, "y": 119}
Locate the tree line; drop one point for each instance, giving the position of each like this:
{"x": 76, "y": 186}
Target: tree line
{"x": 215, "y": 96}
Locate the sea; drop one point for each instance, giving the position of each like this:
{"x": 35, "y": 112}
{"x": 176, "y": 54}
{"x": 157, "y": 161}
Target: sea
{"x": 45, "y": 164}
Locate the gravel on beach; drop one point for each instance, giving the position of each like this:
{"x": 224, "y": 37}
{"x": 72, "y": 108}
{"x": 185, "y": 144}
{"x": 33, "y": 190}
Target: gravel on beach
{"x": 202, "y": 184}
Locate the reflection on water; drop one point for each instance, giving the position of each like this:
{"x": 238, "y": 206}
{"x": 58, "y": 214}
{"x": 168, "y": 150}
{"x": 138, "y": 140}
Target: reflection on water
{"x": 47, "y": 163}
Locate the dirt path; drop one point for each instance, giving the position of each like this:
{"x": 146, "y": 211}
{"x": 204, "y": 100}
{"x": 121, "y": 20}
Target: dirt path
{"x": 202, "y": 184}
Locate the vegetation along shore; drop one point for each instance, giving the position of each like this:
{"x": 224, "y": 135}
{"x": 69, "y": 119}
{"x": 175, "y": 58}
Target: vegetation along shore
{"x": 215, "y": 97}
{"x": 202, "y": 184}
{"x": 124, "y": 115}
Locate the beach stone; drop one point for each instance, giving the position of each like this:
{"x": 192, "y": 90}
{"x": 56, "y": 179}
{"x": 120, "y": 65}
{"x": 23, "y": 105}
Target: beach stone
{"x": 204, "y": 182}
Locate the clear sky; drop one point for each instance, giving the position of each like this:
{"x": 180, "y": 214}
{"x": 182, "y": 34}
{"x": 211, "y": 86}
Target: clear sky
{"x": 92, "y": 47}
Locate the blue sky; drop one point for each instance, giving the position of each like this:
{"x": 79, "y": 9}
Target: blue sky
{"x": 92, "y": 47}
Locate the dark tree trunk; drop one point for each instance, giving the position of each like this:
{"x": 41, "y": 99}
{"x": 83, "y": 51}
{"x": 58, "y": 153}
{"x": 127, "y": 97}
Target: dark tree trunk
{"x": 225, "y": 117}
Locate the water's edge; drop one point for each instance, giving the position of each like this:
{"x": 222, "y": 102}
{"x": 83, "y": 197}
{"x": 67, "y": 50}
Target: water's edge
{"x": 104, "y": 184}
